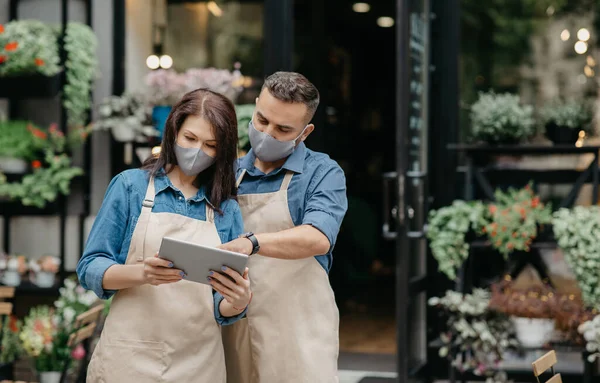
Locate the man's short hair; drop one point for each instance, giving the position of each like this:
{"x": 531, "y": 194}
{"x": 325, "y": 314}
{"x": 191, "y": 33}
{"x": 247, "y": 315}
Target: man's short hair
{"x": 293, "y": 87}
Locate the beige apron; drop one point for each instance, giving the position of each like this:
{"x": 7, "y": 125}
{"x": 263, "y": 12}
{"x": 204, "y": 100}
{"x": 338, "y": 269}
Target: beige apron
{"x": 165, "y": 333}
{"x": 291, "y": 331}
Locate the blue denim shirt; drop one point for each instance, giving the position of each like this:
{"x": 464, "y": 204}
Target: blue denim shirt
{"x": 316, "y": 195}
{"x": 109, "y": 239}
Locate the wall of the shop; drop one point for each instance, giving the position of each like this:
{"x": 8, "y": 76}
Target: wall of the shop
{"x": 36, "y": 236}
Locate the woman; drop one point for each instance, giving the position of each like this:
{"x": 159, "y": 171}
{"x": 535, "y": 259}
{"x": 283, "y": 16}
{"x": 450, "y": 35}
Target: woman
{"x": 162, "y": 328}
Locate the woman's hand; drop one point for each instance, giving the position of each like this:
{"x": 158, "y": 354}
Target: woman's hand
{"x": 159, "y": 271}
{"x": 237, "y": 291}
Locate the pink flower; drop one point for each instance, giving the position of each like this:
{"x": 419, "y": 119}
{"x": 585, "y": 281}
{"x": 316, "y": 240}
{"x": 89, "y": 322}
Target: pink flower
{"x": 78, "y": 353}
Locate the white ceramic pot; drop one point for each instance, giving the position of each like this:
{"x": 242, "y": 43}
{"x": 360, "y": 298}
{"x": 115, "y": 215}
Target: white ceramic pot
{"x": 44, "y": 279}
{"x": 123, "y": 133}
{"x": 13, "y": 165}
{"x": 533, "y": 333}
{"x": 11, "y": 278}
{"x": 50, "y": 377}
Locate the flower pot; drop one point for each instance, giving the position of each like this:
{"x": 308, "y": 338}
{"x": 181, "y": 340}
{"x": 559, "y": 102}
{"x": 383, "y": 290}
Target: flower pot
{"x": 561, "y": 135}
{"x": 30, "y": 86}
{"x": 160, "y": 113}
{"x": 11, "y": 278}
{"x": 50, "y": 377}
{"x": 123, "y": 133}
{"x": 13, "y": 165}
{"x": 45, "y": 279}
{"x": 533, "y": 333}
{"x": 7, "y": 371}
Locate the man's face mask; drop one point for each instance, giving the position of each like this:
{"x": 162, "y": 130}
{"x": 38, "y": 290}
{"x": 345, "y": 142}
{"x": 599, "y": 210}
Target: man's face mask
{"x": 269, "y": 149}
{"x": 192, "y": 161}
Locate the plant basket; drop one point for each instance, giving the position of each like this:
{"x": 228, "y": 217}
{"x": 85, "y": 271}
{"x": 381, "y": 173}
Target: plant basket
{"x": 561, "y": 135}
{"x": 30, "y": 86}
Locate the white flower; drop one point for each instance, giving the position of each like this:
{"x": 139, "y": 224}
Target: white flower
{"x": 69, "y": 314}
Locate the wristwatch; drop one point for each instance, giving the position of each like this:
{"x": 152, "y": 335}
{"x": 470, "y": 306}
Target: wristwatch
{"x": 252, "y": 238}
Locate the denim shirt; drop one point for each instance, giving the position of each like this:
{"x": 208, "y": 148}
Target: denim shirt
{"x": 316, "y": 194}
{"x": 109, "y": 239}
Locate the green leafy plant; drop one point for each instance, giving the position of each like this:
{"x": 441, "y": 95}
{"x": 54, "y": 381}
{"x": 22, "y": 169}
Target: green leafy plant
{"x": 52, "y": 173}
{"x": 572, "y": 114}
{"x": 500, "y": 118}
{"x": 577, "y": 232}
{"x": 28, "y": 47}
{"x": 476, "y": 337}
{"x": 447, "y": 229}
{"x": 81, "y": 70}
{"x": 16, "y": 140}
{"x": 10, "y": 348}
{"x": 244, "y": 115}
{"x": 514, "y": 219}
{"x": 591, "y": 333}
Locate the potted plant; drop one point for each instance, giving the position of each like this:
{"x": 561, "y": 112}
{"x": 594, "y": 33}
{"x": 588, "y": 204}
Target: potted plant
{"x": 52, "y": 172}
{"x": 10, "y": 347}
{"x": 13, "y": 268}
{"x": 577, "y": 231}
{"x": 591, "y": 333}
{"x": 515, "y": 219}
{"x": 531, "y": 310}
{"x": 17, "y": 146}
{"x": 164, "y": 89}
{"x": 476, "y": 338}
{"x": 126, "y": 116}
{"x": 30, "y": 63}
{"x": 46, "y": 330}
{"x": 44, "y": 270}
{"x": 501, "y": 119}
{"x": 447, "y": 231}
{"x": 564, "y": 120}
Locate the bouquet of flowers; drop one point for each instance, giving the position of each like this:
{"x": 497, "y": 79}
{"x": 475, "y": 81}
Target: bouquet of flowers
{"x": 591, "y": 333}
{"x": 46, "y": 330}
{"x": 218, "y": 80}
{"x": 165, "y": 87}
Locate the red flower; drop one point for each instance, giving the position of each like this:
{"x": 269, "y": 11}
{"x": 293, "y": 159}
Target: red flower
{"x": 1, "y": 28}
{"x": 2, "y": 59}
{"x": 38, "y": 133}
{"x": 36, "y": 164}
{"x": 492, "y": 209}
{"x": 13, "y": 320}
{"x": 53, "y": 128}
{"x": 535, "y": 202}
{"x": 510, "y": 246}
{"x": 12, "y": 46}
{"x": 39, "y": 62}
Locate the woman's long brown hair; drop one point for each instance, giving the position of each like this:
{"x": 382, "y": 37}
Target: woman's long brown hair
{"x": 219, "y": 179}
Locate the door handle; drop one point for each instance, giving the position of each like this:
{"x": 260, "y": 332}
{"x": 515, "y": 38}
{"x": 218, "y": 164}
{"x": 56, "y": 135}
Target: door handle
{"x": 390, "y": 210}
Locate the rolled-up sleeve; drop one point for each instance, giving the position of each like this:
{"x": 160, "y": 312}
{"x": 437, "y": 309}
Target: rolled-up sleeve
{"x": 236, "y": 229}
{"x": 327, "y": 202}
{"x": 106, "y": 238}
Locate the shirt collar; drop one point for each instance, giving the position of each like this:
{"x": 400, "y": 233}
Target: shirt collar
{"x": 294, "y": 163}
{"x": 162, "y": 182}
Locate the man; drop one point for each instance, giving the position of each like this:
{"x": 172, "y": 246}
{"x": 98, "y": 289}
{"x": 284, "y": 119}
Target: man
{"x": 293, "y": 201}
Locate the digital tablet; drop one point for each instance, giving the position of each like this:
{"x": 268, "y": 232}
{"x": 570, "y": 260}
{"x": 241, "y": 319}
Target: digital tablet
{"x": 198, "y": 261}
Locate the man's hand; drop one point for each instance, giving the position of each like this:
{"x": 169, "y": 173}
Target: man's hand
{"x": 240, "y": 245}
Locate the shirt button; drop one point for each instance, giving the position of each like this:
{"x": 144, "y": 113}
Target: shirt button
{"x": 180, "y": 198}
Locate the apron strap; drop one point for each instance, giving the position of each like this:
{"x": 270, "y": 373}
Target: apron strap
{"x": 210, "y": 214}
{"x": 286, "y": 180}
{"x": 144, "y": 219}
{"x": 239, "y": 180}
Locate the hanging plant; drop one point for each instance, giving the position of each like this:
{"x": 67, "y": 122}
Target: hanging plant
{"x": 577, "y": 232}
{"x": 515, "y": 219}
{"x": 591, "y": 333}
{"x": 447, "y": 229}
{"x": 81, "y": 70}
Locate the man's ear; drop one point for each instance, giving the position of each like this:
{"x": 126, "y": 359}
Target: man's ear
{"x": 309, "y": 129}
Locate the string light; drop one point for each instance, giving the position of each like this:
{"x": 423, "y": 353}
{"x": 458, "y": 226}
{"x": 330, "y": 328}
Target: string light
{"x": 581, "y": 47}
{"x": 385, "y": 22}
{"x": 153, "y": 62}
{"x": 583, "y": 34}
{"x": 361, "y": 7}
{"x": 166, "y": 61}
{"x": 565, "y": 35}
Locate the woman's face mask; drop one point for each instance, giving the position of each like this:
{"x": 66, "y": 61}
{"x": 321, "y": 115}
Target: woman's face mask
{"x": 269, "y": 149}
{"x": 192, "y": 161}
